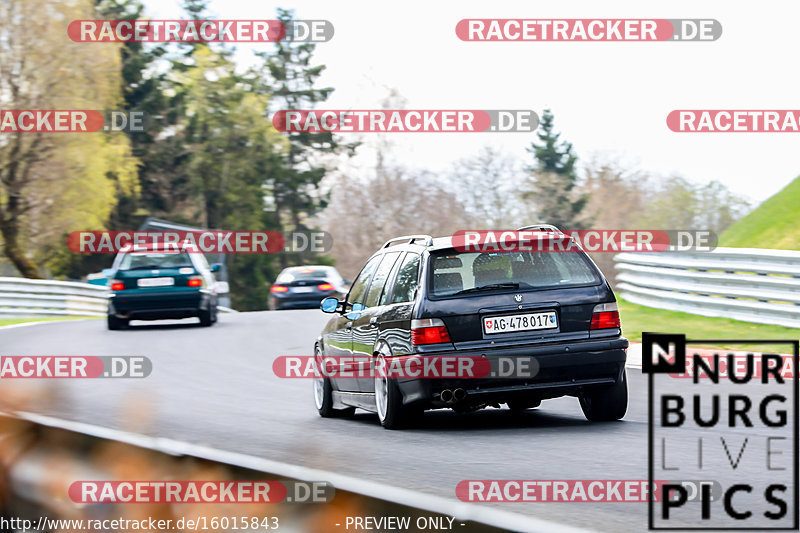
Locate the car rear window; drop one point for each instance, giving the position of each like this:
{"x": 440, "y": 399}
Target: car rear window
{"x": 154, "y": 260}
{"x": 455, "y": 272}
{"x": 303, "y": 273}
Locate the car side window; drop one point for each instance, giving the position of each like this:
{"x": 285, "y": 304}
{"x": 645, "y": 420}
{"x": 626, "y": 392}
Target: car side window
{"x": 359, "y": 289}
{"x": 387, "y": 290}
{"x": 407, "y": 279}
{"x": 379, "y": 280}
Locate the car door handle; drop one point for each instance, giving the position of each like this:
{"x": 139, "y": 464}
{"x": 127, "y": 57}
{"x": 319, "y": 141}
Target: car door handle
{"x": 373, "y": 322}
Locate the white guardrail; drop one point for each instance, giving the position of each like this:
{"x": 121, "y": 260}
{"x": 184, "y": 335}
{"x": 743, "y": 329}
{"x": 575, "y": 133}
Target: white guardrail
{"x": 23, "y": 298}
{"x": 748, "y": 284}
{"x": 36, "y": 298}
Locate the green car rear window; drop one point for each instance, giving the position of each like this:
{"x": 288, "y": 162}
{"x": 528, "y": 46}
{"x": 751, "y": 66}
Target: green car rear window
{"x": 154, "y": 260}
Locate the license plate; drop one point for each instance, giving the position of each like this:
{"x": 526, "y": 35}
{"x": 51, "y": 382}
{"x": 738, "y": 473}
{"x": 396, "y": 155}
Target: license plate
{"x": 303, "y": 289}
{"x": 511, "y": 323}
{"x": 156, "y": 282}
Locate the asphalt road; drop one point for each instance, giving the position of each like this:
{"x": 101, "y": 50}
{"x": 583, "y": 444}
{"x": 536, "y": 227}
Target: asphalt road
{"x": 215, "y": 387}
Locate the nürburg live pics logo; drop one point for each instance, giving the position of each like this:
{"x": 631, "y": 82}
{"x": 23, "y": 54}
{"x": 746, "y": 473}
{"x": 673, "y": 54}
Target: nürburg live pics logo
{"x": 733, "y": 420}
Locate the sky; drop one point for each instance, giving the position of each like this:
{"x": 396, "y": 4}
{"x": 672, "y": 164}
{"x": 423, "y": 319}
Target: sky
{"x": 609, "y": 99}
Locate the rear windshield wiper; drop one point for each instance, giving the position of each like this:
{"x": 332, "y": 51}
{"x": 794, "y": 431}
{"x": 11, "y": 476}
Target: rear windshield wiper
{"x": 143, "y": 267}
{"x": 491, "y": 287}
{"x": 159, "y": 267}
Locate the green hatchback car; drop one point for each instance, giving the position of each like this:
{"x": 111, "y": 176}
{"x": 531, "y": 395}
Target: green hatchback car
{"x": 153, "y": 284}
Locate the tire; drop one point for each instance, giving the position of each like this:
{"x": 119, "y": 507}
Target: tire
{"x": 392, "y": 414}
{"x": 607, "y": 404}
{"x": 323, "y": 396}
{"x": 115, "y": 323}
{"x": 519, "y": 406}
{"x": 206, "y": 318}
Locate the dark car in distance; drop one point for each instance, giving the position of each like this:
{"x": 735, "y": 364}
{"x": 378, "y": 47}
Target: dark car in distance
{"x": 304, "y": 287}
{"x": 419, "y": 296}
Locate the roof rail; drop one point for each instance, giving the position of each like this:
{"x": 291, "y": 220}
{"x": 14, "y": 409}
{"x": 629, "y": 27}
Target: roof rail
{"x": 540, "y": 227}
{"x": 410, "y": 238}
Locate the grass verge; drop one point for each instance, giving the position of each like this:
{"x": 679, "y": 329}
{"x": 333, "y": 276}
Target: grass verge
{"x": 637, "y": 318}
{"x": 12, "y": 321}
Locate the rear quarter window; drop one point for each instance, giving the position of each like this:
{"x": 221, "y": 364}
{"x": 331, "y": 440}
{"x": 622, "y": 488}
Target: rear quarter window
{"x": 407, "y": 279}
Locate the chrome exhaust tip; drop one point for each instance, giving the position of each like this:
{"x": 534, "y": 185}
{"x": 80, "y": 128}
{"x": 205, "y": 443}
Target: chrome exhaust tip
{"x": 459, "y": 394}
{"x": 446, "y": 396}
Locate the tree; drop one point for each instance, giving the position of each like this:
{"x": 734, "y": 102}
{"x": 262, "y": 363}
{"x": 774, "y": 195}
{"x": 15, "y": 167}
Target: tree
{"x": 617, "y": 201}
{"x": 143, "y": 90}
{"x": 678, "y": 203}
{"x": 553, "y": 180}
{"x": 617, "y": 195}
{"x": 229, "y": 150}
{"x": 719, "y": 207}
{"x": 385, "y": 199}
{"x": 48, "y": 181}
{"x": 486, "y": 185}
{"x": 290, "y": 77}
{"x": 142, "y": 85}
{"x": 620, "y": 198}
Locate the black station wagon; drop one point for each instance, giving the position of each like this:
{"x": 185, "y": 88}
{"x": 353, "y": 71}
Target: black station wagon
{"x": 421, "y": 297}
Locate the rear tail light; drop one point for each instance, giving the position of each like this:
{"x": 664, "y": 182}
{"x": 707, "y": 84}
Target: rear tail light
{"x": 279, "y": 288}
{"x": 428, "y": 331}
{"x": 605, "y": 316}
{"x": 325, "y": 287}
{"x": 195, "y": 282}
{"x": 117, "y": 285}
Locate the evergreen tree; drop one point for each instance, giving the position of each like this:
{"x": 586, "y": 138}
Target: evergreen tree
{"x": 553, "y": 179}
{"x": 289, "y": 76}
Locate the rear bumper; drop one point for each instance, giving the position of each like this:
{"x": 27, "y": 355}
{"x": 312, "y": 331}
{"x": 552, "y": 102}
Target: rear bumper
{"x": 159, "y": 305}
{"x": 559, "y": 370}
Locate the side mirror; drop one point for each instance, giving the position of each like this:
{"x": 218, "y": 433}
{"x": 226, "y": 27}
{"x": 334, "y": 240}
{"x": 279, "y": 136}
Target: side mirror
{"x": 216, "y": 267}
{"x": 329, "y": 305}
{"x": 348, "y": 281}
{"x": 355, "y": 311}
